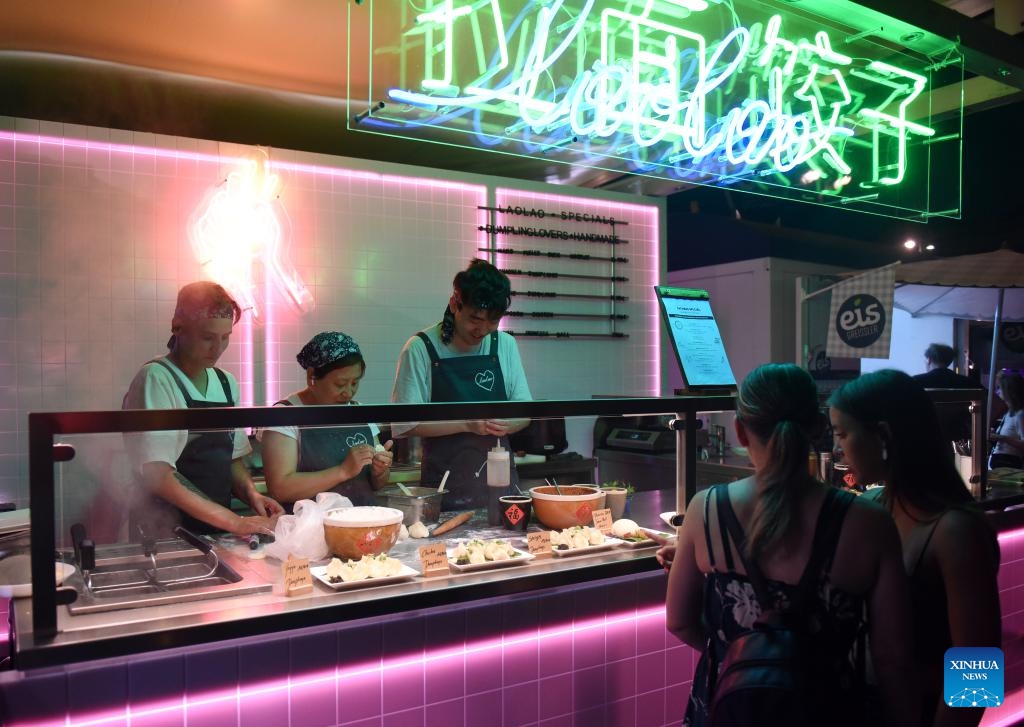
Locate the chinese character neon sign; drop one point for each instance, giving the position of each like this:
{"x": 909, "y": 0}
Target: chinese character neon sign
{"x": 705, "y": 92}
{"x": 241, "y": 223}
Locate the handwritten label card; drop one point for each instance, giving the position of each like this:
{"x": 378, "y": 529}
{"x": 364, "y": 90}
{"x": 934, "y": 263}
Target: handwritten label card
{"x": 297, "y": 578}
{"x": 539, "y": 544}
{"x": 434, "y": 560}
{"x": 603, "y": 521}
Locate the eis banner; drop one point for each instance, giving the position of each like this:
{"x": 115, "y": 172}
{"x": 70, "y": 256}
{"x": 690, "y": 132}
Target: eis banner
{"x": 860, "y": 321}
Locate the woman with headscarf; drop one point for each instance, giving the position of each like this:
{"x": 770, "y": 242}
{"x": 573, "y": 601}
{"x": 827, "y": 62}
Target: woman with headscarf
{"x": 193, "y": 474}
{"x": 300, "y": 462}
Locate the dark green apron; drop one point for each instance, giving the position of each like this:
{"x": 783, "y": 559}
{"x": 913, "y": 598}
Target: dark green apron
{"x": 321, "y": 448}
{"x": 205, "y": 461}
{"x": 463, "y": 379}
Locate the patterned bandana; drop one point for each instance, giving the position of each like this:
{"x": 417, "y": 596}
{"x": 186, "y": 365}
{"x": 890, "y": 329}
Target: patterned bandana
{"x": 202, "y": 300}
{"x": 326, "y": 348}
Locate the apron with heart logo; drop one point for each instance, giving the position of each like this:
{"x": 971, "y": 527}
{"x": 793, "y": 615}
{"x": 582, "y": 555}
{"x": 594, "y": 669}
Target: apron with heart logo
{"x": 321, "y": 448}
{"x": 462, "y": 379}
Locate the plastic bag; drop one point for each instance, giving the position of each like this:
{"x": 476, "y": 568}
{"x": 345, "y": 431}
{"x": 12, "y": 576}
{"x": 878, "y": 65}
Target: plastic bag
{"x": 301, "y": 535}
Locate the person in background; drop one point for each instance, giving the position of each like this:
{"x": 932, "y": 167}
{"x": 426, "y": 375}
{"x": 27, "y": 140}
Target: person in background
{"x": 300, "y": 462}
{"x": 886, "y": 426}
{"x": 464, "y": 358}
{"x": 955, "y": 419}
{"x": 194, "y": 472}
{"x": 710, "y": 598}
{"x": 1008, "y": 437}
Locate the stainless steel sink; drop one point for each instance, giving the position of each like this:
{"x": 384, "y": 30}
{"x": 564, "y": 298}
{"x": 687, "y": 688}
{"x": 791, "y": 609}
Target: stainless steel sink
{"x": 125, "y": 578}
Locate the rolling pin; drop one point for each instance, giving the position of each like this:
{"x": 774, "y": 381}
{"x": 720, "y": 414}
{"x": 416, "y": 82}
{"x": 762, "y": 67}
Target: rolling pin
{"x": 451, "y": 523}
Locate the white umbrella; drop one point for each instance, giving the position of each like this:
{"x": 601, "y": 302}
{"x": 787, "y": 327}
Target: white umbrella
{"x": 986, "y": 286}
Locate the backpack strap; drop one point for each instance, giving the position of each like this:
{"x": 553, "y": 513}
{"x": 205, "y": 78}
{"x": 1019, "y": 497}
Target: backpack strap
{"x": 731, "y": 526}
{"x": 707, "y": 524}
{"x": 826, "y": 537}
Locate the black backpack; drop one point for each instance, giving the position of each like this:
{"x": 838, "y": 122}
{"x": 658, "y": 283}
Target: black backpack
{"x": 781, "y": 671}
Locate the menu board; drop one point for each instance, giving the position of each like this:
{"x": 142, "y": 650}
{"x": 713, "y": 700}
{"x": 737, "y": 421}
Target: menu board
{"x": 695, "y": 337}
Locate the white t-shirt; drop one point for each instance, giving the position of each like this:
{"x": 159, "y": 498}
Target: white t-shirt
{"x": 155, "y": 388}
{"x": 294, "y": 433}
{"x": 414, "y": 376}
{"x": 1011, "y": 425}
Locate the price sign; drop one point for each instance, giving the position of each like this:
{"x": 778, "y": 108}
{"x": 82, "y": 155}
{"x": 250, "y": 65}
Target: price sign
{"x": 434, "y": 560}
{"x": 297, "y": 578}
{"x": 603, "y": 520}
{"x": 539, "y": 544}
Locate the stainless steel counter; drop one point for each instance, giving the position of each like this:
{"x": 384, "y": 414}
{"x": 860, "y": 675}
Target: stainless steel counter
{"x": 91, "y": 635}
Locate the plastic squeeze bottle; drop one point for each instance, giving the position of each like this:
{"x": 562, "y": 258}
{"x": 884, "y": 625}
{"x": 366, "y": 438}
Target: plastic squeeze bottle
{"x": 498, "y": 478}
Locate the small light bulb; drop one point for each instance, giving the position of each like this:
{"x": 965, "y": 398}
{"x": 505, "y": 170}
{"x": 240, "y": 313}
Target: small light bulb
{"x": 910, "y": 244}
{"x": 929, "y": 247}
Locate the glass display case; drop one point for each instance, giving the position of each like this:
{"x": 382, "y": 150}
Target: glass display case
{"x": 119, "y": 588}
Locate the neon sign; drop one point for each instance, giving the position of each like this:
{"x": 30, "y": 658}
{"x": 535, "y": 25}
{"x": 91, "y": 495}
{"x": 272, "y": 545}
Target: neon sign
{"x": 712, "y": 92}
{"x": 238, "y": 225}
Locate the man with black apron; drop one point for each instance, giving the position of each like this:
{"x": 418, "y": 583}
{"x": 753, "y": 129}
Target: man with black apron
{"x": 464, "y": 358}
{"x": 191, "y": 476}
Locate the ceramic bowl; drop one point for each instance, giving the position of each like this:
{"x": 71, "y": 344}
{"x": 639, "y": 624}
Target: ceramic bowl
{"x": 352, "y": 532}
{"x": 575, "y": 506}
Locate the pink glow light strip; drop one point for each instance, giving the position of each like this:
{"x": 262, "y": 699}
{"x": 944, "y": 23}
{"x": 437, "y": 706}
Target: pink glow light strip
{"x": 287, "y": 684}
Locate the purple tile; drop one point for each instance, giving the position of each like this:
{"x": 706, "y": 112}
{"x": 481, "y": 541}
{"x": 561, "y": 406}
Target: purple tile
{"x": 263, "y": 709}
{"x": 445, "y": 679}
{"x": 445, "y": 714}
{"x": 483, "y": 671}
{"x": 651, "y": 636}
{"x": 262, "y": 661}
{"x": 622, "y": 596}
{"x": 650, "y": 708}
{"x": 675, "y": 702}
{"x": 554, "y": 696}
{"x": 650, "y": 672}
{"x": 483, "y": 623}
{"x": 408, "y": 718}
{"x": 589, "y": 602}
{"x": 484, "y": 708}
{"x": 402, "y": 686}
{"x": 553, "y": 607}
{"x": 593, "y": 717}
{"x": 372, "y": 722}
{"x": 38, "y": 697}
{"x": 404, "y": 637}
{"x": 564, "y": 721}
{"x": 168, "y": 718}
{"x": 519, "y": 663}
{"x": 622, "y": 713}
{"x": 679, "y": 662}
{"x": 588, "y": 648}
{"x": 359, "y": 697}
{"x": 650, "y": 589}
{"x": 211, "y": 670}
{"x": 212, "y": 713}
{"x": 313, "y": 653}
{"x": 555, "y": 654}
{"x": 99, "y": 690}
{"x": 587, "y": 689}
{"x": 446, "y": 629}
{"x": 620, "y": 640}
{"x": 313, "y": 705}
{"x": 520, "y": 616}
{"x": 156, "y": 679}
{"x": 620, "y": 680}
{"x": 359, "y": 645}
{"x": 519, "y": 705}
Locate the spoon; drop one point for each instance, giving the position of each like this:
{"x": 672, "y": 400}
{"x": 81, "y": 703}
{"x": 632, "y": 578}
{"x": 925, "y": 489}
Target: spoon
{"x": 554, "y": 484}
{"x": 440, "y": 488}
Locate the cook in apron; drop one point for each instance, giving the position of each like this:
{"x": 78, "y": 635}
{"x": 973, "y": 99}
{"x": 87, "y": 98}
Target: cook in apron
{"x": 205, "y": 461}
{"x": 462, "y": 379}
{"x": 321, "y": 448}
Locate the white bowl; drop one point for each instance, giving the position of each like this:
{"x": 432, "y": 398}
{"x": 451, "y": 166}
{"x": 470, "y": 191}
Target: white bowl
{"x": 16, "y": 575}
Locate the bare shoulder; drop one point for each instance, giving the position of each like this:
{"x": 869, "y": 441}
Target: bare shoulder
{"x": 870, "y": 522}
{"x": 965, "y": 534}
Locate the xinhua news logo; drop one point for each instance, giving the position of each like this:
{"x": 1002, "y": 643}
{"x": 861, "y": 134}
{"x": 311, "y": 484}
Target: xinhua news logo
{"x": 974, "y": 676}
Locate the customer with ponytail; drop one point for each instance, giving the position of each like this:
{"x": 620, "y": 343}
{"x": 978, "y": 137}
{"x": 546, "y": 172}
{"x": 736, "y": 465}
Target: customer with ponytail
{"x": 711, "y": 598}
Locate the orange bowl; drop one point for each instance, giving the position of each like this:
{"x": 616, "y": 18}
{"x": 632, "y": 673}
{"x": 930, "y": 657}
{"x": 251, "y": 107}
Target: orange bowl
{"x": 352, "y": 532}
{"x": 575, "y": 506}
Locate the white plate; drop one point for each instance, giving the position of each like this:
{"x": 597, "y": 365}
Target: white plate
{"x": 320, "y": 573}
{"x": 647, "y": 542}
{"x": 521, "y": 557}
{"x": 666, "y": 517}
{"x": 609, "y": 542}
{"x": 16, "y": 575}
